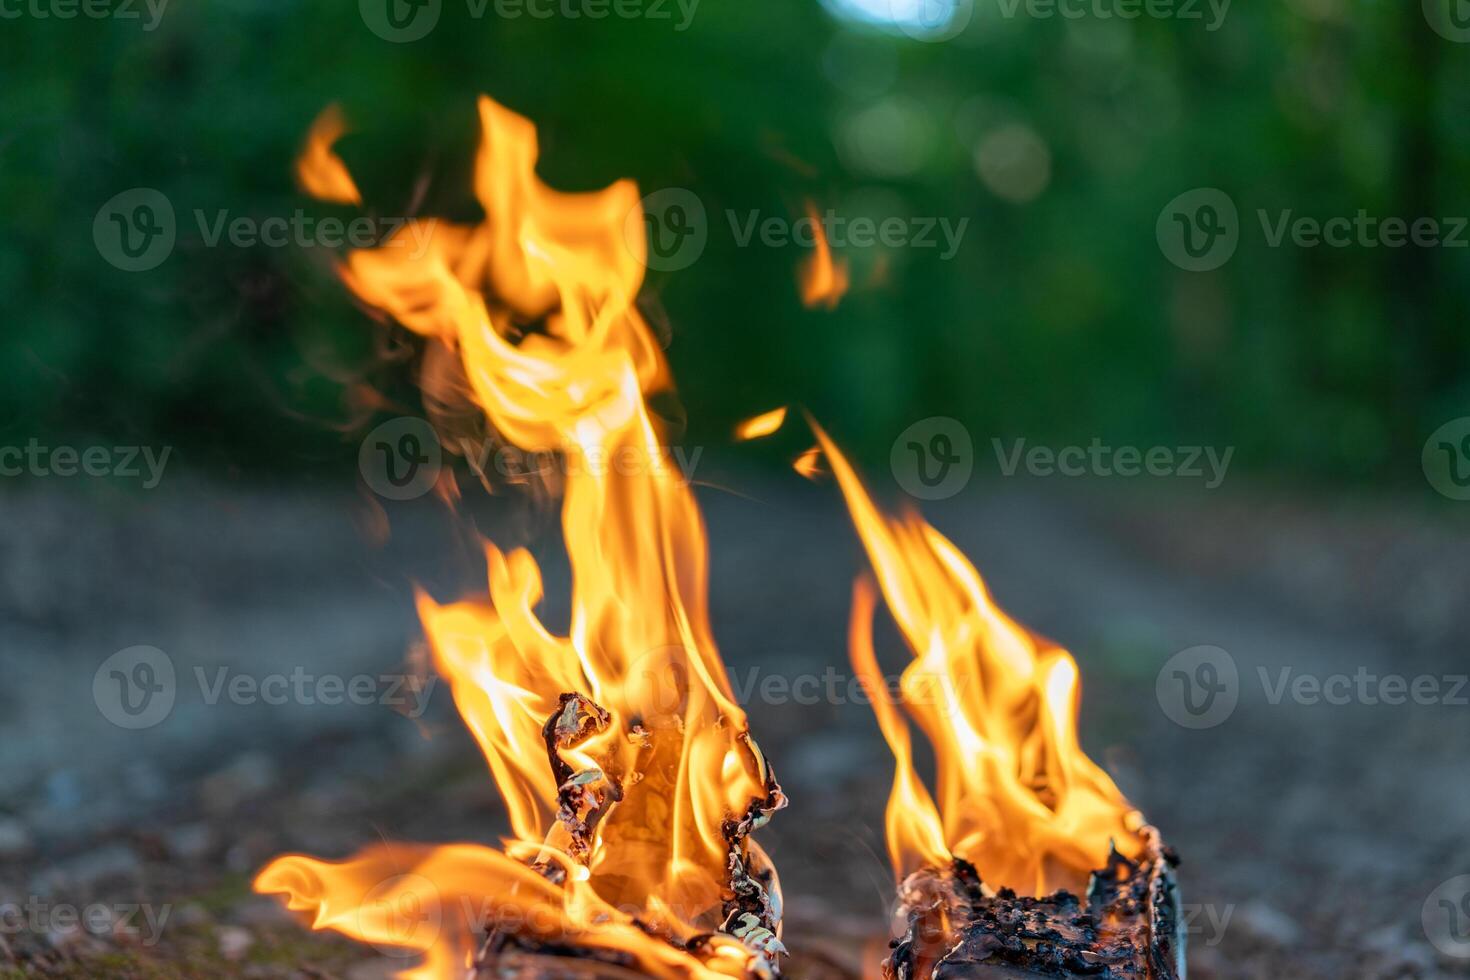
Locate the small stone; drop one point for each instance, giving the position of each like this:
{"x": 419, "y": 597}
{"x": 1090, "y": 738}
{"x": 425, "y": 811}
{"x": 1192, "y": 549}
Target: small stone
{"x": 260, "y": 911}
{"x": 15, "y": 839}
{"x": 111, "y": 861}
{"x": 191, "y": 842}
{"x": 248, "y": 776}
{"x": 250, "y": 851}
{"x": 1397, "y": 949}
{"x": 192, "y": 915}
{"x": 373, "y": 970}
{"x": 1268, "y": 923}
{"x": 234, "y": 942}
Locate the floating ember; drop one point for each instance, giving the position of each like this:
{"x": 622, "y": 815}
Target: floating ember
{"x": 1032, "y": 863}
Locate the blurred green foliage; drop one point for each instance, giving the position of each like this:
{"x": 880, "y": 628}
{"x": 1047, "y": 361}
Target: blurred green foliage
{"x": 1059, "y": 319}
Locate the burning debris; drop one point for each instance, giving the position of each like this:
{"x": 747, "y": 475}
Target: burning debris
{"x": 1125, "y": 927}
{"x": 631, "y": 780}
{"x": 988, "y": 878}
{"x": 630, "y": 776}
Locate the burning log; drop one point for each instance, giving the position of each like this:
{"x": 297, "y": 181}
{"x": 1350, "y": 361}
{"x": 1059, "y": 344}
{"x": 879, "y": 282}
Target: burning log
{"x": 587, "y": 793}
{"x": 1127, "y": 926}
{"x": 583, "y": 795}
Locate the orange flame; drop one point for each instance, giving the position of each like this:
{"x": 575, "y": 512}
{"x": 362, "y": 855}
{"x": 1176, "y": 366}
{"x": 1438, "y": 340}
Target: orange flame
{"x": 823, "y": 279}
{"x": 1017, "y": 797}
{"x": 635, "y": 826}
{"x": 319, "y": 171}
{"x": 808, "y": 463}
{"x": 761, "y": 425}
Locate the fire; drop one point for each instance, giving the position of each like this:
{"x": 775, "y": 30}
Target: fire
{"x": 761, "y": 425}
{"x": 809, "y": 463}
{"x": 320, "y": 172}
{"x": 823, "y": 279}
{"x": 1017, "y": 797}
{"x": 628, "y": 771}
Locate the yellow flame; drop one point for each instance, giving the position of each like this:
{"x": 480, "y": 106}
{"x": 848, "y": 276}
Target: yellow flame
{"x": 761, "y": 425}
{"x": 809, "y": 463}
{"x": 823, "y": 279}
{"x": 1017, "y": 797}
{"x": 319, "y": 171}
{"x": 536, "y": 305}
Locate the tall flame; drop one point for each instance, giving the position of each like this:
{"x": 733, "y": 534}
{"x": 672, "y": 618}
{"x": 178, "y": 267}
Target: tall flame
{"x": 1017, "y": 797}
{"x": 629, "y": 837}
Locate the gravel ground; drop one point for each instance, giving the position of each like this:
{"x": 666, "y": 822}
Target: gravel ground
{"x": 1312, "y": 835}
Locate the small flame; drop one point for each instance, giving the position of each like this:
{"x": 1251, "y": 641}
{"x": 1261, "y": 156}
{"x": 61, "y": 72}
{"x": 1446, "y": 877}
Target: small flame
{"x": 319, "y": 171}
{"x": 761, "y": 425}
{"x": 627, "y": 769}
{"x": 1017, "y": 797}
{"x": 809, "y": 463}
{"x": 824, "y": 280}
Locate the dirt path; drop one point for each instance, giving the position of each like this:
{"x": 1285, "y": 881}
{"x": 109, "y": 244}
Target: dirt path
{"x": 1313, "y": 834}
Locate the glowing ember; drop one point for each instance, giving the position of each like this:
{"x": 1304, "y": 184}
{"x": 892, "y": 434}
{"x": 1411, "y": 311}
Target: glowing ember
{"x": 823, "y": 279}
{"x": 629, "y": 775}
{"x": 761, "y": 425}
{"x": 320, "y": 172}
{"x": 1017, "y": 797}
{"x": 809, "y": 463}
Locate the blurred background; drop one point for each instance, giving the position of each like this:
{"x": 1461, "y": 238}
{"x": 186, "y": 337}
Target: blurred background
{"x": 1070, "y": 160}
{"x": 1059, "y": 139}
